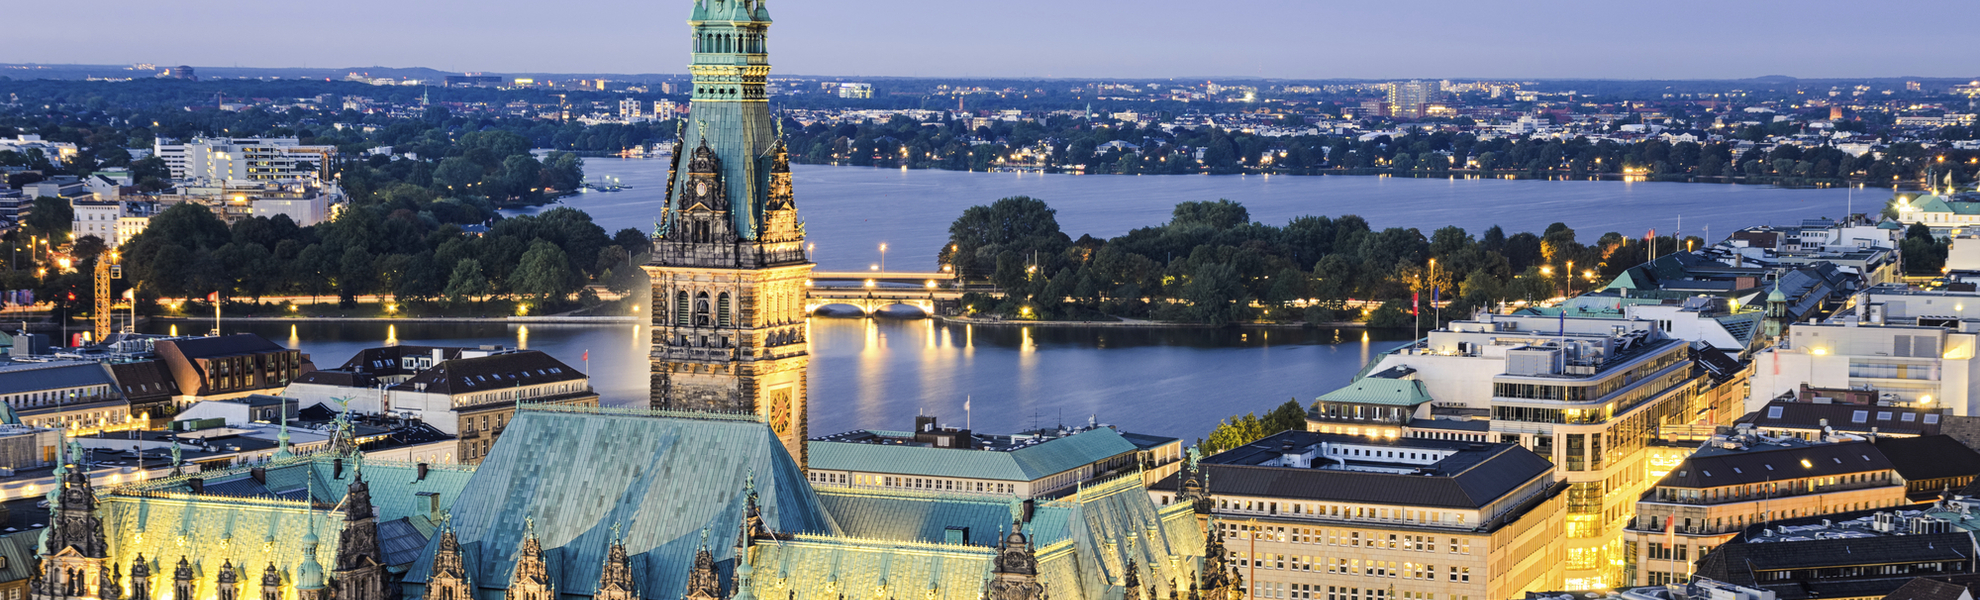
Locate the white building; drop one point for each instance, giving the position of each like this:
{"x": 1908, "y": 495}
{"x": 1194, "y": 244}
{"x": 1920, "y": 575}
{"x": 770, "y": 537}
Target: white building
{"x": 112, "y": 221}
{"x": 855, "y": 90}
{"x": 305, "y": 211}
{"x": 243, "y": 159}
{"x": 1914, "y": 347}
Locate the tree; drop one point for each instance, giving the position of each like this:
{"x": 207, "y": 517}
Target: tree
{"x": 467, "y": 283}
{"x": 544, "y": 273}
{"x": 457, "y": 173}
{"x": 50, "y": 218}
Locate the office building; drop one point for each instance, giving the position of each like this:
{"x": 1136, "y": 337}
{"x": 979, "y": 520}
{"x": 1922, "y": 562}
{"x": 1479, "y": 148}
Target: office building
{"x": 1350, "y": 517}
{"x": 1914, "y": 348}
{"x": 1408, "y": 99}
{"x": 1732, "y": 483}
{"x": 1590, "y": 394}
{"x": 243, "y": 159}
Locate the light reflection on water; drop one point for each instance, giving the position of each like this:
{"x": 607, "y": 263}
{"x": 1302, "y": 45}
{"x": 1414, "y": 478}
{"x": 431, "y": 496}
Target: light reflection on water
{"x": 879, "y": 373}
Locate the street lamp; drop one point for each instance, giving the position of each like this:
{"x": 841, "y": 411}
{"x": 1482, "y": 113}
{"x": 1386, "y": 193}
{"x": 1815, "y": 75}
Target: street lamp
{"x": 883, "y": 256}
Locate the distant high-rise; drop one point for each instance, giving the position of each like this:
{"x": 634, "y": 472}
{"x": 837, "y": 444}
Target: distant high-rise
{"x": 180, "y": 72}
{"x": 1408, "y": 99}
{"x": 729, "y": 266}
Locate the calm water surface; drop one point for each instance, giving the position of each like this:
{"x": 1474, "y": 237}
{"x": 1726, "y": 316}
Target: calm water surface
{"x": 880, "y": 373}
{"x": 849, "y": 211}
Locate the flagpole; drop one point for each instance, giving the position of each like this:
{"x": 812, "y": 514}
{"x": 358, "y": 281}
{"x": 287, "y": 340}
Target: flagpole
{"x": 969, "y": 421}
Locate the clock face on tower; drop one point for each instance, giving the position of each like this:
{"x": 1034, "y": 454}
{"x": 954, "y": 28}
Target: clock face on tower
{"x": 701, "y": 189}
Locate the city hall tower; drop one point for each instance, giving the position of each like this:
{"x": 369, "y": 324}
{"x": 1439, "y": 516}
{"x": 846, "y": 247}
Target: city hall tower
{"x": 728, "y": 264}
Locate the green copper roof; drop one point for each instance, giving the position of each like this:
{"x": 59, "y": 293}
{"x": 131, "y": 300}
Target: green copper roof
{"x": 1372, "y": 390}
{"x": 661, "y": 479}
{"x": 1024, "y": 464}
{"x": 926, "y": 517}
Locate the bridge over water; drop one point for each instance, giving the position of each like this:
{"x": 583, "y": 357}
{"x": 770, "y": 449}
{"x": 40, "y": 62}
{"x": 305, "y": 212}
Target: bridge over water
{"x": 871, "y": 291}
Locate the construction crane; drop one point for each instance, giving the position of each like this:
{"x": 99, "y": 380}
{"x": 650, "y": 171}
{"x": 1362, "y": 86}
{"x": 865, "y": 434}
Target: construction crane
{"x": 106, "y": 270}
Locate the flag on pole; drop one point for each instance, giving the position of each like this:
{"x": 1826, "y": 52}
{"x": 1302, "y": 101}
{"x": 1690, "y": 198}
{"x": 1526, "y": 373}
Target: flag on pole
{"x": 1436, "y": 295}
{"x": 130, "y": 294}
{"x": 1415, "y": 300}
{"x": 587, "y": 355}
{"x": 213, "y": 297}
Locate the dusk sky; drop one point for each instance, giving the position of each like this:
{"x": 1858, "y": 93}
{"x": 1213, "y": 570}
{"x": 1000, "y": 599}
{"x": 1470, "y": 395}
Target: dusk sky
{"x": 1308, "y": 39}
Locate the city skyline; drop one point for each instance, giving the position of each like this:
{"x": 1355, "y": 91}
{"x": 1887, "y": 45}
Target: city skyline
{"x": 1035, "y": 39}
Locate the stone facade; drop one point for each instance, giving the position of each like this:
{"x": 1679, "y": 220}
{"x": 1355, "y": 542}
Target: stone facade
{"x": 729, "y": 267}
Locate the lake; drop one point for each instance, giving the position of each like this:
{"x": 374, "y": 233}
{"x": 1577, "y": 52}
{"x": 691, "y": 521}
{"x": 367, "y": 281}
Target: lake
{"x": 880, "y": 373}
{"x": 850, "y": 211}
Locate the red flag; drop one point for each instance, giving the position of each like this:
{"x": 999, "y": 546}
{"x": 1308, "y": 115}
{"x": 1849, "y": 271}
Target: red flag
{"x": 72, "y": 296}
{"x": 1415, "y": 299}
{"x": 1652, "y": 235}
{"x": 213, "y": 297}
{"x": 587, "y": 355}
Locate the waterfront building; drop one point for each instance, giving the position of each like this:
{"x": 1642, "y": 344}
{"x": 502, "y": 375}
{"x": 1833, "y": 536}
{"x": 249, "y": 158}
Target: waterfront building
{"x": 361, "y": 382}
{"x": 229, "y": 366}
{"x": 475, "y": 398}
{"x": 223, "y": 159}
{"x": 1037, "y": 464}
{"x": 469, "y": 393}
{"x": 82, "y": 397}
{"x": 1592, "y": 395}
{"x": 729, "y": 266}
{"x": 1351, "y": 517}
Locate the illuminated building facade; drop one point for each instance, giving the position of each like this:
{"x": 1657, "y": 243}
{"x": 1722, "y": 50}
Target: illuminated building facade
{"x": 1721, "y": 490}
{"x": 728, "y": 267}
{"x": 1589, "y": 394}
{"x": 1347, "y": 517}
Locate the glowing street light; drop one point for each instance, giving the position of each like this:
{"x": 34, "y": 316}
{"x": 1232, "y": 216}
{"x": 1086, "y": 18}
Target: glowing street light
{"x": 883, "y": 256}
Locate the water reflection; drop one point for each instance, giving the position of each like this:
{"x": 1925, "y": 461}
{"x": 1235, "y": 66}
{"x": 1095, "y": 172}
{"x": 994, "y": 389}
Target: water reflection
{"x": 878, "y": 373}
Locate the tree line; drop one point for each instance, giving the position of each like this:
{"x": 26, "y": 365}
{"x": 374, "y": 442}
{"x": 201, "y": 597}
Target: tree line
{"x": 1062, "y": 143}
{"x": 1212, "y": 264}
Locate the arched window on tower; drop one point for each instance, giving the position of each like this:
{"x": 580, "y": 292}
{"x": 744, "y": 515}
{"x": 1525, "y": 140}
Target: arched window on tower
{"x": 722, "y": 310}
{"x": 701, "y": 318}
{"x": 681, "y": 308}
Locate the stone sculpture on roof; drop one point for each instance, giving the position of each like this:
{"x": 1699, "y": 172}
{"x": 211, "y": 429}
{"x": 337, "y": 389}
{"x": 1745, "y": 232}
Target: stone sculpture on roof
{"x": 704, "y": 583}
{"x": 1014, "y": 576}
{"x": 271, "y": 583}
{"x": 615, "y": 580}
{"x": 531, "y": 579}
{"x": 229, "y": 582}
{"x": 449, "y": 579}
{"x": 360, "y": 563}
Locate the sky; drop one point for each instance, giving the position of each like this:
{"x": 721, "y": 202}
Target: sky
{"x": 1129, "y": 39}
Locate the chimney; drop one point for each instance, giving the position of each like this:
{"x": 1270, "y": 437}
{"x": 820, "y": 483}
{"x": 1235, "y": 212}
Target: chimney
{"x": 422, "y": 472}
{"x": 198, "y": 485}
{"x": 337, "y": 469}
{"x": 260, "y": 475}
